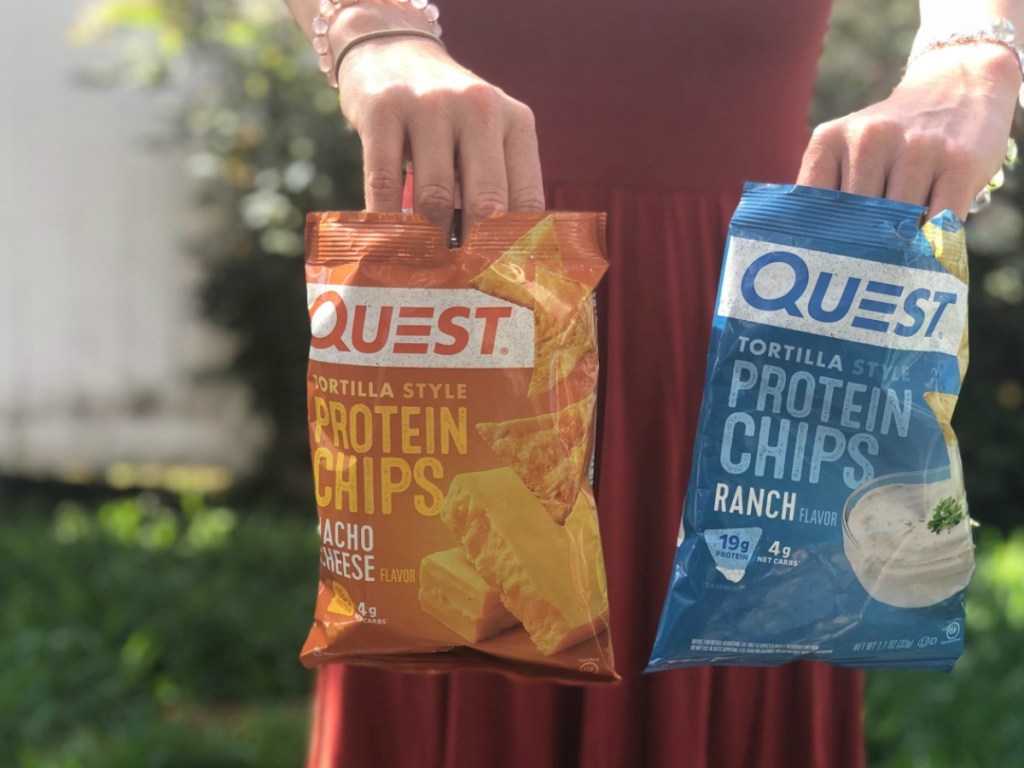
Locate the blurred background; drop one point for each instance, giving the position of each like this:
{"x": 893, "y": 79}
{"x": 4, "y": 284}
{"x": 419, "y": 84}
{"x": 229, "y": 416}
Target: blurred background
{"x": 157, "y": 542}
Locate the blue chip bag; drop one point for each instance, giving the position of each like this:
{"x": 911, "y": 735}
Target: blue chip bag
{"x": 825, "y": 516}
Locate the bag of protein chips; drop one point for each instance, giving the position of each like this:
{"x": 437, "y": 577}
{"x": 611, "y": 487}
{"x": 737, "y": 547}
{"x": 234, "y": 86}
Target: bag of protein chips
{"x": 825, "y": 516}
{"x": 451, "y": 409}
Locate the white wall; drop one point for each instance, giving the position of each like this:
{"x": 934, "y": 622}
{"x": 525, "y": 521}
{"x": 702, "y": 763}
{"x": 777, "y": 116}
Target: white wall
{"x": 98, "y": 332}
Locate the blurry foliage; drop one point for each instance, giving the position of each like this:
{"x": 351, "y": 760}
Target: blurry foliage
{"x": 971, "y": 718}
{"x": 864, "y": 54}
{"x": 865, "y": 50}
{"x": 267, "y": 144}
{"x": 141, "y": 634}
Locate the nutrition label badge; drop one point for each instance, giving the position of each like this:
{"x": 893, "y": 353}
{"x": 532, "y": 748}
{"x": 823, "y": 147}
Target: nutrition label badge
{"x": 732, "y": 548}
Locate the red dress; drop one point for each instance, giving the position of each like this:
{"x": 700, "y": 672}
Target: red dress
{"x": 655, "y": 111}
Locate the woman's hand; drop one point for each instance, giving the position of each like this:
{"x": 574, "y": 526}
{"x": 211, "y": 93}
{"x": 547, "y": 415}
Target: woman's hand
{"x": 471, "y": 145}
{"x": 936, "y": 141}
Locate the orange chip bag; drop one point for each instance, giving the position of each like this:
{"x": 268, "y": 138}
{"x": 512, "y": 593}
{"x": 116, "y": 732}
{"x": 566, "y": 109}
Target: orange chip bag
{"x": 451, "y": 399}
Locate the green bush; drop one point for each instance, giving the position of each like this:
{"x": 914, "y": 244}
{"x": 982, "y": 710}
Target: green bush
{"x": 264, "y": 736}
{"x": 972, "y": 717}
{"x": 136, "y": 635}
{"x": 120, "y": 626}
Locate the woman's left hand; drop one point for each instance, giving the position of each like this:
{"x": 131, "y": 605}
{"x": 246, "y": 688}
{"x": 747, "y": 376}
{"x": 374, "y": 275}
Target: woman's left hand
{"x": 936, "y": 141}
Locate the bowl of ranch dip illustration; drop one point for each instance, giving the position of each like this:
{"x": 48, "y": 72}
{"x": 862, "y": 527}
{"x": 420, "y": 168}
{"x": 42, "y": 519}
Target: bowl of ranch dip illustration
{"x": 908, "y": 537}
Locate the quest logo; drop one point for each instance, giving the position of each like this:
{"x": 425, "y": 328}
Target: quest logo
{"x": 843, "y": 297}
{"x": 417, "y": 328}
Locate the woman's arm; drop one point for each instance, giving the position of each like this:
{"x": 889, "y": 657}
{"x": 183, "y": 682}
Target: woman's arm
{"x": 409, "y": 100}
{"x": 942, "y": 134}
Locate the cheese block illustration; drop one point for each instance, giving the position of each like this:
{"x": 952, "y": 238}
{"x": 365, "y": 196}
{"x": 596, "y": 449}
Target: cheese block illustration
{"x": 457, "y": 596}
{"x": 551, "y": 577}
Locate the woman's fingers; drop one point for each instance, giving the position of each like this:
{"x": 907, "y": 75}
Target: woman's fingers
{"x": 432, "y": 146}
{"x": 466, "y": 138}
{"x": 833, "y": 161}
{"x": 874, "y": 157}
{"x": 854, "y": 155}
{"x": 952, "y": 191}
{"x": 822, "y": 162}
{"x": 522, "y": 162}
{"x": 383, "y": 154}
{"x": 864, "y": 169}
{"x": 934, "y": 141}
{"x": 481, "y": 156}
{"x": 910, "y": 180}
{"x": 499, "y": 163}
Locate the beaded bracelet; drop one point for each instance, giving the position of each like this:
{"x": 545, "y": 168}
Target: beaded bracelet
{"x": 328, "y": 12}
{"x": 998, "y": 32}
{"x": 983, "y": 198}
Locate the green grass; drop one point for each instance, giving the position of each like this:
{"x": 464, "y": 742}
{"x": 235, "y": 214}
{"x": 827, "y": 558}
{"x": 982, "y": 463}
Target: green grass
{"x": 140, "y": 635}
{"x": 972, "y": 717}
{"x": 135, "y": 635}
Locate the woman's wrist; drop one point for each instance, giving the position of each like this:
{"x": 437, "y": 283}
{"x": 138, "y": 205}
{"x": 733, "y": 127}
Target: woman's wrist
{"x": 342, "y": 25}
{"x": 981, "y": 62}
{"x": 985, "y": 51}
{"x": 988, "y": 76}
{"x": 369, "y": 16}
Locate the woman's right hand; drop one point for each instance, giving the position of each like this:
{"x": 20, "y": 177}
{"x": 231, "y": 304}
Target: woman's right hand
{"x": 471, "y": 145}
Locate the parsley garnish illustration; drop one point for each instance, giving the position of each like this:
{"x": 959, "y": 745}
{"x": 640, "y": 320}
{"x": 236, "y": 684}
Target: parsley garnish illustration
{"x": 948, "y": 513}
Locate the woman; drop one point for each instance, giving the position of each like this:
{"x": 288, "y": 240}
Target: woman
{"x": 655, "y": 111}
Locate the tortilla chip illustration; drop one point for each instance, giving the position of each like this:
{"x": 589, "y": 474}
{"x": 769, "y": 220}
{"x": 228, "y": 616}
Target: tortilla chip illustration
{"x": 548, "y": 452}
{"x": 563, "y": 329}
{"x": 951, "y": 252}
{"x": 511, "y": 276}
{"x": 950, "y": 249}
{"x": 530, "y": 274}
{"x": 942, "y": 406}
